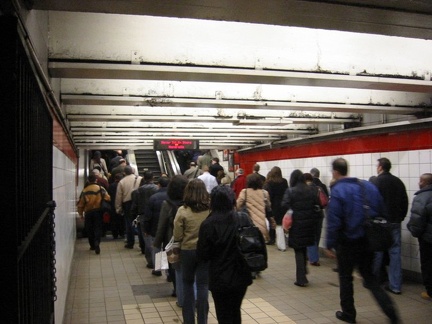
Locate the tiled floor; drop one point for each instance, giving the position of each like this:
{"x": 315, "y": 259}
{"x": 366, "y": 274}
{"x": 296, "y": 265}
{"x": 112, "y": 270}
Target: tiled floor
{"x": 116, "y": 287}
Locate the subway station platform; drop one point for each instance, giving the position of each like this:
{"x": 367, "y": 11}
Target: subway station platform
{"x": 116, "y": 287}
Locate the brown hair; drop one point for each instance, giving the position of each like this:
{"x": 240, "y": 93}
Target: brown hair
{"x": 196, "y": 196}
{"x": 275, "y": 175}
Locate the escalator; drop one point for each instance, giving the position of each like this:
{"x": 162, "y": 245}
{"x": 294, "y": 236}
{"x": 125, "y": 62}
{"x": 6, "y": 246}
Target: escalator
{"x": 158, "y": 162}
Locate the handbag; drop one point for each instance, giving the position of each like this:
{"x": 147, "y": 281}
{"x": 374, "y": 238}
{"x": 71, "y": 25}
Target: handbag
{"x": 105, "y": 205}
{"x": 287, "y": 220}
{"x": 161, "y": 261}
{"x": 251, "y": 243}
{"x": 378, "y": 231}
{"x": 322, "y": 198}
{"x": 172, "y": 250}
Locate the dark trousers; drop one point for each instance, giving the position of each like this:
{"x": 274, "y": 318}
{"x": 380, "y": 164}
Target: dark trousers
{"x": 94, "y": 226}
{"x": 301, "y": 270}
{"x": 117, "y": 224}
{"x": 355, "y": 254}
{"x": 130, "y": 230}
{"x": 426, "y": 264}
{"x": 228, "y": 304}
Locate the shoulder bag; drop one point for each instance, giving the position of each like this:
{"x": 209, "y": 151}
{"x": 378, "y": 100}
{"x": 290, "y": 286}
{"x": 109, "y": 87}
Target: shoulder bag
{"x": 377, "y": 230}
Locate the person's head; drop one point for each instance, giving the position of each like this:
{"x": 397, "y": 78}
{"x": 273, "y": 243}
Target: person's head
{"x": 118, "y": 176}
{"x": 275, "y": 174}
{"x": 384, "y": 165}
{"x": 220, "y": 174}
{"x": 315, "y": 172}
{"x": 205, "y": 168}
{"x": 425, "y": 180}
{"x": 148, "y": 176}
{"x": 196, "y": 196}
{"x": 192, "y": 164}
{"x": 96, "y": 172}
{"x": 308, "y": 177}
{"x": 97, "y": 154}
{"x": 128, "y": 170}
{"x": 296, "y": 178}
{"x": 122, "y": 161}
{"x": 254, "y": 181}
{"x": 119, "y": 152}
{"x": 215, "y": 160}
{"x": 176, "y": 187}
{"x": 163, "y": 182}
{"x": 222, "y": 199}
{"x": 339, "y": 168}
{"x": 239, "y": 171}
{"x": 92, "y": 178}
{"x": 256, "y": 167}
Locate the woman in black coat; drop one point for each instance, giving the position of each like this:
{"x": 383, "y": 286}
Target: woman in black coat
{"x": 303, "y": 200}
{"x": 218, "y": 243}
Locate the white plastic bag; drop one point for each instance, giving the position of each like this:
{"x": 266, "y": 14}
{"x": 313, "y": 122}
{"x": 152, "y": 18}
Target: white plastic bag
{"x": 280, "y": 238}
{"x": 161, "y": 261}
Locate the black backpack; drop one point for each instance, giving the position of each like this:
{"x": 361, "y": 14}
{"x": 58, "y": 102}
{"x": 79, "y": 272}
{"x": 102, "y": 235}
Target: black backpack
{"x": 251, "y": 243}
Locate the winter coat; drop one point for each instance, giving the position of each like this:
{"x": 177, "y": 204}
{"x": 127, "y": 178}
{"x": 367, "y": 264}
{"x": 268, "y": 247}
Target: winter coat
{"x": 303, "y": 200}
{"x": 395, "y": 197}
{"x": 256, "y": 202}
{"x": 152, "y": 211}
{"x": 140, "y": 199}
{"x": 218, "y": 244}
{"x": 186, "y": 227}
{"x": 165, "y": 227}
{"x": 420, "y": 223}
{"x": 276, "y": 191}
{"x": 345, "y": 211}
{"x": 91, "y": 198}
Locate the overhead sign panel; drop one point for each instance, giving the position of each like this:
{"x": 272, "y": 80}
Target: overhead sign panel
{"x": 160, "y": 145}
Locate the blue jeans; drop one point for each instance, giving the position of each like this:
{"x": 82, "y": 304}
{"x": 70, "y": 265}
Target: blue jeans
{"x": 148, "y": 249}
{"x": 194, "y": 271}
{"x": 395, "y": 265}
{"x": 313, "y": 250}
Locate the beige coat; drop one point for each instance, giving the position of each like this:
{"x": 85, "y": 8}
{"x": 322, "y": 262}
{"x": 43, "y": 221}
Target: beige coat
{"x": 256, "y": 202}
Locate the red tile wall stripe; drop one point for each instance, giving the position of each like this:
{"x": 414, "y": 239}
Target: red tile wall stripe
{"x": 61, "y": 141}
{"x": 401, "y": 141}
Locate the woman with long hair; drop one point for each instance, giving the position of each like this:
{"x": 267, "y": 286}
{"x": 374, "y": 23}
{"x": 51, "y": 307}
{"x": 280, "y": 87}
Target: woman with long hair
{"x": 256, "y": 200}
{"x": 195, "y": 209}
{"x": 303, "y": 200}
{"x": 276, "y": 186}
{"x": 164, "y": 233}
{"x": 218, "y": 243}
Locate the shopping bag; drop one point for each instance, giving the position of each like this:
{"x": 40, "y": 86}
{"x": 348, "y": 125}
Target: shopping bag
{"x": 173, "y": 251}
{"x": 161, "y": 261}
{"x": 280, "y": 238}
{"x": 287, "y": 220}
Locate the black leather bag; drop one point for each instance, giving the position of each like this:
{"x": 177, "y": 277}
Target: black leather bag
{"x": 251, "y": 243}
{"x": 378, "y": 234}
{"x": 377, "y": 230}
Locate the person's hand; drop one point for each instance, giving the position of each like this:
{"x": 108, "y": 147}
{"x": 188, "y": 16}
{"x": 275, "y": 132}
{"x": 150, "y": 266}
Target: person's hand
{"x": 330, "y": 253}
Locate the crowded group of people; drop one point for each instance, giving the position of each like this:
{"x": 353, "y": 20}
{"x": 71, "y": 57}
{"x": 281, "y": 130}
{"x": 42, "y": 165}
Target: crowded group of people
{"x": 198, "y": 210}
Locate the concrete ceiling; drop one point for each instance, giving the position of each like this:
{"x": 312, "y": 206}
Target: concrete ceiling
{"x": 236, "y": 74}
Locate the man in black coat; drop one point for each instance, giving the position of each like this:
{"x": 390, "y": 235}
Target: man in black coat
{"x": 395, "y": 197}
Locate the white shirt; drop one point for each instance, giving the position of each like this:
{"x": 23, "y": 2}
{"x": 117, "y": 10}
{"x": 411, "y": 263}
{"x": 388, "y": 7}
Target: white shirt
{"x": 209, "y": 181}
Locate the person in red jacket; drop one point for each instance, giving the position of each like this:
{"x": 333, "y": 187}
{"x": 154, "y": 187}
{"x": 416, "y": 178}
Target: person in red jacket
{"x": 239, "y": 182}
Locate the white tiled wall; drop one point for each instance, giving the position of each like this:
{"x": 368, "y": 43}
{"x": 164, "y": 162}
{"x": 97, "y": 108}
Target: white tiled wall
{"x": 407, "y": 165}
{"x": 64, "y": 189}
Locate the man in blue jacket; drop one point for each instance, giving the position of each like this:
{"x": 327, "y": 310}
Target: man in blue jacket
{"x": 420, "y": 226}
{"x": 345, "y": 234}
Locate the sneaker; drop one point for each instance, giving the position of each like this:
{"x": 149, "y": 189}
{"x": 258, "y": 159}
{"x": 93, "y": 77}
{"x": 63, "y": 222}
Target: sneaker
{"x": 425, "y": 295}
{"x": 343, "y": 317}
{"x": 97, "y": 249}
{"x": 392, "y": 291}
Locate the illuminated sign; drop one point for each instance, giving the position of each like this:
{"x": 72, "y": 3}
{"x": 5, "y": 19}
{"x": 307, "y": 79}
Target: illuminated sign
{"x": 175, "y": 145}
